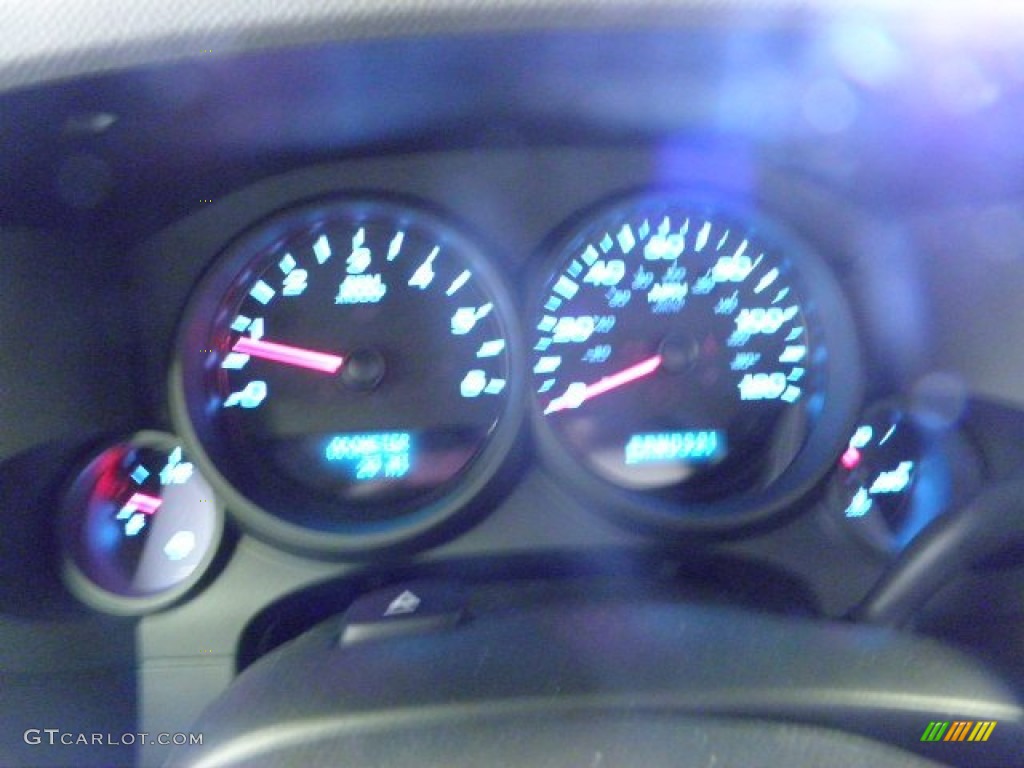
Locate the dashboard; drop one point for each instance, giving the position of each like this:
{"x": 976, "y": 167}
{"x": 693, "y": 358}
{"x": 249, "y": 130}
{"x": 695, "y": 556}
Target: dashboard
{"x": 721, "y": 311}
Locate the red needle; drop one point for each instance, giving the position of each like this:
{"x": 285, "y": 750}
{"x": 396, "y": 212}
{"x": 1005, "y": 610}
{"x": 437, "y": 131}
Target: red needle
{"x": 574, "y": 399}
{"x": 147, "y": 505}
{"x": 282, "y": 353}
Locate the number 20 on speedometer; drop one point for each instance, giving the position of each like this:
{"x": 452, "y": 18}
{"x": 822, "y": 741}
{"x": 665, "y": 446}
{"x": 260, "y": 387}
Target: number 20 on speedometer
{"x": 691, "y": 360}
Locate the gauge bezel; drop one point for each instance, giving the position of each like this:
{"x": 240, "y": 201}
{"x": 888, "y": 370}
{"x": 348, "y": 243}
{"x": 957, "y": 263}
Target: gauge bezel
{"x": 412, "y": 526}
{"x": 83, "y": 587}
{"x": 950, "y": 470}
{"x": 743, "y": 513}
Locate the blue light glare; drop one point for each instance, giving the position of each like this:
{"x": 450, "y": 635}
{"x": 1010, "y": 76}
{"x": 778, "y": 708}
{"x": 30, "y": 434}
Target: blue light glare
{"x": 660, "y": 447}
{"x": 372, "y": 455}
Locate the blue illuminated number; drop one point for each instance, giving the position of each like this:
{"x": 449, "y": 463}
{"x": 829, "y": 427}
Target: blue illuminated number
{"x": 361, "y": 289}
{"x": 369, "y": 467}
{"x": 254, "y": 393}
{"x": 667, "y": 297}
{"x": 745, "y": 360}
{"x": 893, "y": 481}
{"x": 659, "y": 447}
{"x": 606, "y": 273}
{"x": 295, "y": 282}
{"x": 359, "y": 260}
{"x": 424, "y": 274}
{"x": 176, "y": 471}
{"x": 465, "y": 318}
{"x": 664, "y": 247}
{"x": 762, "y": 386}
{"x": 573, "y": 330}
{"x": 860, "y": 504}
{"x": 373, "y": 455}
{"x": 735, "y": 268}
{"x": 473, "y": 383}
{"x": 180, "y": 545}
{"x": 764, "y": 321}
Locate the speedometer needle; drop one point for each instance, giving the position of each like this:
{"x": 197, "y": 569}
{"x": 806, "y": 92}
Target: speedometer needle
{"x": 576, "y": 395}
{"x": 288, "y": 355}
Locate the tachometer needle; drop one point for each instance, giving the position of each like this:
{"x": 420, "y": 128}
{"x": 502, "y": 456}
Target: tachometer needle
{"x": 576, "y": 395}
{"x": 287, "y": 355}
{"x": 147, "y": 505}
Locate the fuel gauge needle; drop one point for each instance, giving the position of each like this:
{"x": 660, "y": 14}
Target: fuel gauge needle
{"x": 288, "y": 355}
{"x": 575, "y": 395}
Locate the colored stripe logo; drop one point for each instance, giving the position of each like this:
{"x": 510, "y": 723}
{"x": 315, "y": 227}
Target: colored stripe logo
{"x": 935, "y": 731}
{"x": 958, "y": 730}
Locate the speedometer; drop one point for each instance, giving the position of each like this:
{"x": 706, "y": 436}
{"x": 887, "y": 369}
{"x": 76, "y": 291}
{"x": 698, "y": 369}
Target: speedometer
{"x": 348, "y": 375}
{"x": 692, "y": 362}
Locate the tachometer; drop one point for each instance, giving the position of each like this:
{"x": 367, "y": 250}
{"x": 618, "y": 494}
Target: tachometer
{"x": 692, "y": 361}
{"x": 348, "y": 370}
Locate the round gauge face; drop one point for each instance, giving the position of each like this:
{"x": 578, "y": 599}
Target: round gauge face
{"x": 880, "y": 464}
{"x": 682, "y": 354}
{"x": 348, "y": 364}
{"x": 140, "y": 525}
{"x": 878, "y": 478}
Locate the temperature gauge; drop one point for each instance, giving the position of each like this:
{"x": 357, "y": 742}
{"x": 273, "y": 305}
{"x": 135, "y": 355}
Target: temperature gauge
{"x": 140, "y": 526}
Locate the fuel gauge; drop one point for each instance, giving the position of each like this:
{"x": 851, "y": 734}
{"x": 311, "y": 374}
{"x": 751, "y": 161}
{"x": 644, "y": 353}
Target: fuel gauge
{"x": 894, "y": 476}
{"x": 140, "y": 526}
{"x": 881, "y": 461}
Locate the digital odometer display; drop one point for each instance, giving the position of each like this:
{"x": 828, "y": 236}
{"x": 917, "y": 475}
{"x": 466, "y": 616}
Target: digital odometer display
{"x": 349, "y": 363}
{"x": 678, "y": 351}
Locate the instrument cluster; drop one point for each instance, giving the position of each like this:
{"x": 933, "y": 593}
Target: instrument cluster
{"x": 353, "y": 373}
{"x": 360, "y": 374}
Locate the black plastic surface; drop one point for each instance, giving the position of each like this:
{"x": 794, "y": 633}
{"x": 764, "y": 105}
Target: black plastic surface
{"x": 604, "y": 740}
{"x": 567, "y": 660}
{"x": 992, "y": 523}
{"x": 403, "y": 609}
